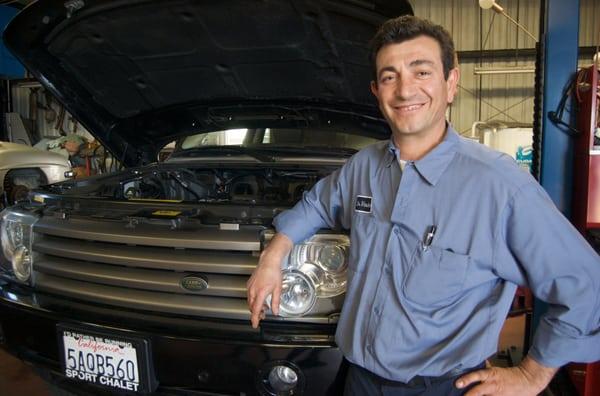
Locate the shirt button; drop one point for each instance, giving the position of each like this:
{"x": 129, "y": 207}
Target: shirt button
{"x": 377, "y": 311}
{"x": 396, "y": 230}
{"x": 388, "y": 269}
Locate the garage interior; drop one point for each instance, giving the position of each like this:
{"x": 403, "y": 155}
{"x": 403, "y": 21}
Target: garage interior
{"x": 501, "y": 49}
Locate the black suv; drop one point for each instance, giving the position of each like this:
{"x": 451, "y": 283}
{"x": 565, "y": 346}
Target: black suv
{"x": 136, "y": 281}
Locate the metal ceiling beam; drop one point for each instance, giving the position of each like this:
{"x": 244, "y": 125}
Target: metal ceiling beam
{"x": 494, "y": 54}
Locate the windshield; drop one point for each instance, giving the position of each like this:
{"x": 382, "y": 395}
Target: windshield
{"x": 273, "y": 138}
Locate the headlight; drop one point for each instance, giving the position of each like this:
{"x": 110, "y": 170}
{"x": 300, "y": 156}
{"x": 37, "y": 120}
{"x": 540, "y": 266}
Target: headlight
{"x": 332, "y": 258}
{"x": 314, "y": 269}
{"x": 298, "y": 294}
{"x": 328, "y": 259}
{"x": 16, "y": 233}
{"x": 21, "y": 264}
{"x": 12, "y": 237}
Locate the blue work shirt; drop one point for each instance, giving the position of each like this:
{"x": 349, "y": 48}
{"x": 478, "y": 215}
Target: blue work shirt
{"x": 412, "y": 309}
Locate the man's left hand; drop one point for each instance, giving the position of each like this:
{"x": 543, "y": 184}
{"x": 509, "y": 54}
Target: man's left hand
{"x": 527, "y": 379}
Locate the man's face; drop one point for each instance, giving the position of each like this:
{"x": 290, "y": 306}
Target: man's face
{"x": 411, "y": 90}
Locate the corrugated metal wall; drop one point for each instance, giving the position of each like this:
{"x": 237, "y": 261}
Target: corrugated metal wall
{"x": 503, "y": 97}
{"x": 589, "y": 23}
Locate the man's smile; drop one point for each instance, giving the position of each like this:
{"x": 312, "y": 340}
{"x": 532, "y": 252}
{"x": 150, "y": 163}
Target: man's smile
{"x": 408, "y": 108}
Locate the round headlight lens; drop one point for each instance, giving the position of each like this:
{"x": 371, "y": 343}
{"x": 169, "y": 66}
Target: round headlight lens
{"x": 21, "y": 264}
{"x": 283, "y": 379}
{"x": 16, "y": 233}
{"x": 12, "y": 237}
{"x": 298, "y": 294}
{"x": 332, "y": 258}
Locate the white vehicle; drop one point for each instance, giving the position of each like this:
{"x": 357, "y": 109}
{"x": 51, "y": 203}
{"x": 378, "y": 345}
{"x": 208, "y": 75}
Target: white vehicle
{"x": 23, "y": 168}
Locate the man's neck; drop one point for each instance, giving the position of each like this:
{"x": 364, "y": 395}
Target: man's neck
{"x": 415, "y": 147}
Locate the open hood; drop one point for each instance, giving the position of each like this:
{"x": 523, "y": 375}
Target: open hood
{"x": 139, "y": 73}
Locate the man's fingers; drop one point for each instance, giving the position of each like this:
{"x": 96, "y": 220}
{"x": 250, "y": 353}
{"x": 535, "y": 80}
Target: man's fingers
{"x": 254, "y": 319}
{"x": 275, "y": 298}
{"x": 257, "y": 307}
{"x": 482, "y": 389}
{"x": 250, "y": 295}
{"x": 470, "y": 378}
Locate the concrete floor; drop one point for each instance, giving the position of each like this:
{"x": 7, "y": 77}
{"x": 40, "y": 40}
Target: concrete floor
{"x": 18, "y": 379}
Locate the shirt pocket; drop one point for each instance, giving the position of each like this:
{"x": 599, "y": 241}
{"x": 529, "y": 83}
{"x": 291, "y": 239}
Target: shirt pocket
{"x": 436, "y": 276}
{"x": 362, "y": 244}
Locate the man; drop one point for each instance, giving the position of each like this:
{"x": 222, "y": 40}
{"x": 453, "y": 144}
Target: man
{"x": 454, "y": 228}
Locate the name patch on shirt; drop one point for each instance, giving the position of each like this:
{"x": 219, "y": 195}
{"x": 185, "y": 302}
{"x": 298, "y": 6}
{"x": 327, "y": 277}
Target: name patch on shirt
{"x": 363, "y": 204}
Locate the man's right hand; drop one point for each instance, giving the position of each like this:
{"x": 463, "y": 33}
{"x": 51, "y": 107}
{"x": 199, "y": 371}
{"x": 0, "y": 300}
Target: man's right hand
{"x": 266, "y": 278}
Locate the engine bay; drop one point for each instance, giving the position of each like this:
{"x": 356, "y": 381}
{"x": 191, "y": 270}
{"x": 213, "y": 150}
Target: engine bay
{"x": 246, "y": 186}
{"x": 216, "y": 185}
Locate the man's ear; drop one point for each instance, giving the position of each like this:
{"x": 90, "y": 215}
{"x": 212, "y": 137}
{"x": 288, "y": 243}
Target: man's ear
{"x": 452, "y": 83}
{"x": 374, "y": 89}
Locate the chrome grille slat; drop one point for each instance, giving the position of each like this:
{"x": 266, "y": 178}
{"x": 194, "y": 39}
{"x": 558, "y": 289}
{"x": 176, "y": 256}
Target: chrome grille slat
{"x": 135, "y": 278}
{"x": 200, "y": 237}
{"x": 189, "y": 260}
{"x": 192, "y": 305}
{"x": 163, "y": 302}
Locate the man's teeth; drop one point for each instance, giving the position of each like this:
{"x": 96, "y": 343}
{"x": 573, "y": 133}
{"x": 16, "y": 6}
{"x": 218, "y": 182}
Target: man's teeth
{"x": 410, "y": 108}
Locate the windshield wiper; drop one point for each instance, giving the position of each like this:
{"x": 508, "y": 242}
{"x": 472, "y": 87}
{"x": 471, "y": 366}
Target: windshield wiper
{"x": 315, "y": 150}
{"x": 217, "y": 150}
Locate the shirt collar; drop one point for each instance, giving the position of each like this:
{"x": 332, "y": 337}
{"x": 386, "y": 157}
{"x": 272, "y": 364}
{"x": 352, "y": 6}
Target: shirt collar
{"x": 392, "y": 153}
{"x": 431, "y": 166}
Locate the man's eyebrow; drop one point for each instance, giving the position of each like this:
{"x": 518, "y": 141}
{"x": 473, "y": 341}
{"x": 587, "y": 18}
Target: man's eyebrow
{"x": 386, "y": 69}
{"x": 419, "y": 62}
{"x": 415, "y": 63}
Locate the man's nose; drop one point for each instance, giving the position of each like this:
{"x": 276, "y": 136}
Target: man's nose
{"x": 405, "y": 88}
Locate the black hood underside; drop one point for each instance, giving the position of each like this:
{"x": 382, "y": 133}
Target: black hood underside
{"x": 139, "y": 73}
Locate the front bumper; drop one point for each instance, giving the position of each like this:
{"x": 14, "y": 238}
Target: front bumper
{"x": 188, "y": 355}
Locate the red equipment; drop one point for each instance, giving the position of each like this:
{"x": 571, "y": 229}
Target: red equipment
{"x": 586, "y": 196}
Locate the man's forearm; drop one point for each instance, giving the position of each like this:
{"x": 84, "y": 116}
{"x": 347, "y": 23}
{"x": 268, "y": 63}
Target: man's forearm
{"x": 279, "y": 246}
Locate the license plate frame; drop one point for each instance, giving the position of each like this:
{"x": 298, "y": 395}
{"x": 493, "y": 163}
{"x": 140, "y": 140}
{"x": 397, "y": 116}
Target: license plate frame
{"x": 98, "y": 338}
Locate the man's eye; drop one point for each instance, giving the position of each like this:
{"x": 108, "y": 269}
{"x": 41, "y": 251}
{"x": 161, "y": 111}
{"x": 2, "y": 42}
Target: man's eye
{"x": 423, "y": 73}
{"x": 385, "y": 79}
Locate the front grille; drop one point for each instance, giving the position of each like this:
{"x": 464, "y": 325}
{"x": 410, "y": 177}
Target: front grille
{"x": 141, "y": 267}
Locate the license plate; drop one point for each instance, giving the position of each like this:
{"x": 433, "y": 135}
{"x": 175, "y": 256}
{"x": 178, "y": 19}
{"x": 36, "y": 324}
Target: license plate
{"x": 106, "y": 360}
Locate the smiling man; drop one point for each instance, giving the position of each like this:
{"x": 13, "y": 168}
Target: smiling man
{"x": 414, "y": 89}
{"x": 450, "y": 230}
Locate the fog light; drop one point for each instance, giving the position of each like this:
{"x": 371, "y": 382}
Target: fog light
{"x": 21, "y": 264}
{"x": 283, "y": 379}
{"x": 280, "y": 378}
{"x": 298, "y": 293}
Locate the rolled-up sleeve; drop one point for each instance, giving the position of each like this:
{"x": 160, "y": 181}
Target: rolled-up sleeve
{"x": 321, "y": 207}
{"x": 537, "y": 246}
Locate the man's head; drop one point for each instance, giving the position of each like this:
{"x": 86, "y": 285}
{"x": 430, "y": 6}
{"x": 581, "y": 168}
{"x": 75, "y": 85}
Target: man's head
{"x": 397, "y": 30}
{"x": 415, "y": 80}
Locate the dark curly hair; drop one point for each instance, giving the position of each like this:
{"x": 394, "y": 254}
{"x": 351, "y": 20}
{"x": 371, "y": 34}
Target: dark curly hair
{"x": 407, "y": 27}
